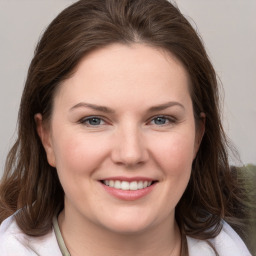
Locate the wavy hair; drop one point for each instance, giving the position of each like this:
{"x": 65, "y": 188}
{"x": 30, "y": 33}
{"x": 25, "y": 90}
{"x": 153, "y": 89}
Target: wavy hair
{"x": 29, "y": 183}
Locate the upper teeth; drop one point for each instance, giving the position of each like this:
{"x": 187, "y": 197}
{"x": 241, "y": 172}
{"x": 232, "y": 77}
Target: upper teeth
{"x": 125, "y": 185}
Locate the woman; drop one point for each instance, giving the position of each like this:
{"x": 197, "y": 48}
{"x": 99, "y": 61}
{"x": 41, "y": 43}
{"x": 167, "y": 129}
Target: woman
{"x": 120, "y": 147}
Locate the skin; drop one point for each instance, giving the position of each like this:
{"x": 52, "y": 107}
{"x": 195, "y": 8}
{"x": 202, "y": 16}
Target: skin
{"x": 127, "y": 141}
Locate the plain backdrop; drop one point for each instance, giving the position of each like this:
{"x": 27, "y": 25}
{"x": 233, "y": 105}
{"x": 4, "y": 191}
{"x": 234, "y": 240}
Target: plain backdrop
{"x": 227, "y": 27}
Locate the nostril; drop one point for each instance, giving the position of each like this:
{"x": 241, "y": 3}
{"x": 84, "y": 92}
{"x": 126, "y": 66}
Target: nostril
{"x": 129, "y": 152}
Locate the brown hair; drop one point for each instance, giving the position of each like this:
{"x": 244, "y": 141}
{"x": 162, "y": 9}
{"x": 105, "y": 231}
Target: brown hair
{"x": 32, "y": 185}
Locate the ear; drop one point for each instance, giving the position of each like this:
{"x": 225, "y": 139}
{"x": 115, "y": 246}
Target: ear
{"x": 46, "y": 139}
{"x": 200, "y": 129}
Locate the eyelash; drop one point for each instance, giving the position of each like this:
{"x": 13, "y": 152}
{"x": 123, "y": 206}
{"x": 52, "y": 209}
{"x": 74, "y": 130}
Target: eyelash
{"x": 85, "y": 121}
{"x": 170, "y": 120}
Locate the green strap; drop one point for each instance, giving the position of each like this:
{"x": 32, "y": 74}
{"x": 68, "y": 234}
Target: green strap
{"x": 59, "y": 237}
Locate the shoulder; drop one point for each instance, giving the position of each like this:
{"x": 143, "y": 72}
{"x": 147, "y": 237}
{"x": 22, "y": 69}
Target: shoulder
{"x": 14, "y": 242}
{"x": 226, "y": 241}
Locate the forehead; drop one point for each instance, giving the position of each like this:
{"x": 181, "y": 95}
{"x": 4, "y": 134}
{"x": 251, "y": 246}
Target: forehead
{"x": 126, "y": 71}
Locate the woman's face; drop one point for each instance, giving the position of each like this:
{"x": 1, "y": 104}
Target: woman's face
{"x": 123, "y": 138}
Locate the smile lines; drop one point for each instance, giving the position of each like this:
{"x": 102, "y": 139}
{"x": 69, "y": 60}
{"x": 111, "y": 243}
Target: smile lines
{"x": 126, "y": 185}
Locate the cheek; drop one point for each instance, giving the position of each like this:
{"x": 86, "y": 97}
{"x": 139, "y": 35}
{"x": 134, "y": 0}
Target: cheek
{"x": 79, "y": 154}
{"x": 175, "y": 153}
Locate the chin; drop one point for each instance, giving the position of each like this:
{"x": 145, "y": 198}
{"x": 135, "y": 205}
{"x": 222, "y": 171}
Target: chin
{"x": 129, "y": 225}
{"x": 129, "y": 229}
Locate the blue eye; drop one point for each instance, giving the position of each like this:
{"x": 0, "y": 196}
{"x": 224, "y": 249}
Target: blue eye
{"x": 92, "y": 121}
{"x": 162, "y": 120}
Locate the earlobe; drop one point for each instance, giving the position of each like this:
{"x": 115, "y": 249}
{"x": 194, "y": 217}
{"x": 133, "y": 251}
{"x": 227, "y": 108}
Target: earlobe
{"x": 45, "y": 136}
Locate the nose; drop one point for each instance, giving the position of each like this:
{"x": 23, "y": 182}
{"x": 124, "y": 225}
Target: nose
{"x": 129, "y": 147}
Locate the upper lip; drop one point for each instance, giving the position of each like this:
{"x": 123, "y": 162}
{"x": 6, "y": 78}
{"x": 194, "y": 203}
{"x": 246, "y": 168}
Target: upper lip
{"x": 129, "y": 179}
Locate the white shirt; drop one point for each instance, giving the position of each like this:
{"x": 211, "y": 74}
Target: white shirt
{"x": 13, "y": 242}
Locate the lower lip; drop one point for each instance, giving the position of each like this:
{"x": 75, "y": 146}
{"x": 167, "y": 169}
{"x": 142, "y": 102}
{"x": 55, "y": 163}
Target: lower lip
{"x": 128, "y": 195}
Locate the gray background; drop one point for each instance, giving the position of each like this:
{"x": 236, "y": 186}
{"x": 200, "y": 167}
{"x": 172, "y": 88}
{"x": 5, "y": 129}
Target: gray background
{"x": 228, "y": 29}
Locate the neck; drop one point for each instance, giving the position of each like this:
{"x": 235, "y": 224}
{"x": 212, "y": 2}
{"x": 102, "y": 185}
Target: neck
{"x": 86, "y": 238}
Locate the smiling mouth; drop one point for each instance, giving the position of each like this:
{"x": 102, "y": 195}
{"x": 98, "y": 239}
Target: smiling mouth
{"x": 126, "y": 185}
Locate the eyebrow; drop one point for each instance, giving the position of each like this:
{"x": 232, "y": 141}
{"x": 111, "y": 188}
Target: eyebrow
{"x": 111, "y": 111}
{"x": 94, "y": 107}
{"x": 165, "y": 106}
